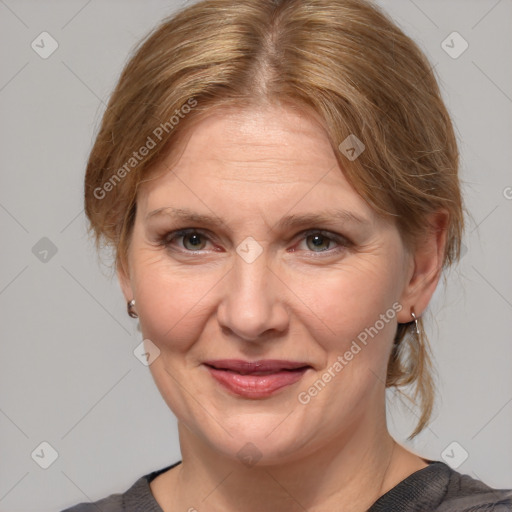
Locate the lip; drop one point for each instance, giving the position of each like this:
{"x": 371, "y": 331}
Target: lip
{"x": 263, "y": 365}
{"x": 256, "y": 379}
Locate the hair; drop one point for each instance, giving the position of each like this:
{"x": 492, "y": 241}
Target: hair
{"x": 342, "y": 61}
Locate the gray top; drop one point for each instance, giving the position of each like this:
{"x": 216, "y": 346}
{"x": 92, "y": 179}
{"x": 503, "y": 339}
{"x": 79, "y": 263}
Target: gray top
{"x": 434, "y": 488}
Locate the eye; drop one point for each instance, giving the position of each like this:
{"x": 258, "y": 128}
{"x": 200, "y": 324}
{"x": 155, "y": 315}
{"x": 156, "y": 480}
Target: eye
{"x": 318, "y": 241}
{"x": 192, "y": 240}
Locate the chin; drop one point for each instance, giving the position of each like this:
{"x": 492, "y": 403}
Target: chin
{"x": 255, "y": 439}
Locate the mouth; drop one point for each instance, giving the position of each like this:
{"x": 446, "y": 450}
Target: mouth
{"x": 258, "y": 379}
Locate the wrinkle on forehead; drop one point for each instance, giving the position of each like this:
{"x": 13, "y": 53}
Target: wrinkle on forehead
{"x": 263, "y": 137}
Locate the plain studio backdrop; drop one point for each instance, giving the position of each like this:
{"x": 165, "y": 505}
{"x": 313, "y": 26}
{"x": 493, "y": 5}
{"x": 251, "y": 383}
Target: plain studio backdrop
{"x": 74, "y": 398}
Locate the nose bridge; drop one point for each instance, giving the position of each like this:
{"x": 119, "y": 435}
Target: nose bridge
{"x": 249, "y": 277}
{"x": 252, "y": 304}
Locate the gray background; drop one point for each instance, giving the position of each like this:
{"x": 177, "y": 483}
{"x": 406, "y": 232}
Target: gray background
{"x": 68, "y": 375}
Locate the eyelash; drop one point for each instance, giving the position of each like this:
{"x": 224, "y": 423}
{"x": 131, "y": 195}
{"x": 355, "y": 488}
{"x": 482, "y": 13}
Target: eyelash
{"x": 343, "y": 243}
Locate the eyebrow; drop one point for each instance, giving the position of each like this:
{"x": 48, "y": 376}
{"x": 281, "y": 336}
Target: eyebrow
{"x": 288, "y": 222}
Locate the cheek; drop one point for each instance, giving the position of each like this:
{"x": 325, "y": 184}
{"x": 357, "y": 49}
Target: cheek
{"x": 172, "y": 304}
{"x": 356, "y": 303}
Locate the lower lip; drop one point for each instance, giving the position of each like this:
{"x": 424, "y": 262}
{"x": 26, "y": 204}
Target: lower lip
{"x": 256, "y": 386}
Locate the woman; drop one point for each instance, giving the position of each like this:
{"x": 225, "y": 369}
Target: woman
{"x": 279, "y": 182}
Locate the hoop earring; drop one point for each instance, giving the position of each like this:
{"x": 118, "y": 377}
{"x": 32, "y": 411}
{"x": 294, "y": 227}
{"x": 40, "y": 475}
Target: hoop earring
{"x": 415, "y": 321}
{"x": 129, "y": 307}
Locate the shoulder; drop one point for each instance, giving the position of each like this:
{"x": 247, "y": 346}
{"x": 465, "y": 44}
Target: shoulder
{"x": 466, "y": 494}
{"x": 138, "y": 495}
{"x": 439, "y": 488}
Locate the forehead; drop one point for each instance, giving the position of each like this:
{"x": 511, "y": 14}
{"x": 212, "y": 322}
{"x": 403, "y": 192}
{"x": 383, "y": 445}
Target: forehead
{"x": 252, "y": 154}
{"x": 252, "y": 138}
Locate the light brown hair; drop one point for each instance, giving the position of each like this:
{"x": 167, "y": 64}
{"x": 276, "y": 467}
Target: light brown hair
{"x": 342, "y": 60}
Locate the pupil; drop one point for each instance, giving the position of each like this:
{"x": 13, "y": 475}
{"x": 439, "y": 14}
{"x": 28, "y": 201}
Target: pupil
{"x": 194, "y": 239}
{"x": 318, "y": 241}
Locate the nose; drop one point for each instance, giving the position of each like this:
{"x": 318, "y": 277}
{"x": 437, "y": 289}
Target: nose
{"x": 252, "y": 305}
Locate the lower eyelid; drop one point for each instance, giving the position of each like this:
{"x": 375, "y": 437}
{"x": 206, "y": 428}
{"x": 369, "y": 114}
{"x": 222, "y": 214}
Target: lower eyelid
{"x": 340, "y": 245}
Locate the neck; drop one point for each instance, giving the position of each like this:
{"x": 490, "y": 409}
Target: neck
{"x": 351, "y": 473}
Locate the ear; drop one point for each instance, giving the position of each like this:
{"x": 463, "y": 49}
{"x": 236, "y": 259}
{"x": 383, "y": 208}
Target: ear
{"x": 425, "y": 269}
{"x": 123, "y": 275}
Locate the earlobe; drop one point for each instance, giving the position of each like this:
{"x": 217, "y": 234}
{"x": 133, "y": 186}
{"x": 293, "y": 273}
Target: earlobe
{"x": 428, "y": 259}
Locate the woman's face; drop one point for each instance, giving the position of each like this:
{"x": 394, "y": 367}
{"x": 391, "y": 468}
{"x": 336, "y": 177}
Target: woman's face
{"x": 275, "y": 268}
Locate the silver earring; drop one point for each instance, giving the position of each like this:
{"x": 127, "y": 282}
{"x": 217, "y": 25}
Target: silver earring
{"x": 130, "y": 310}
{"x": 416, "y": 322}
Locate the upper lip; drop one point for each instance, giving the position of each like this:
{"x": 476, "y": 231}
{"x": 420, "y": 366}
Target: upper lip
{"x": 263, "y": 365}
